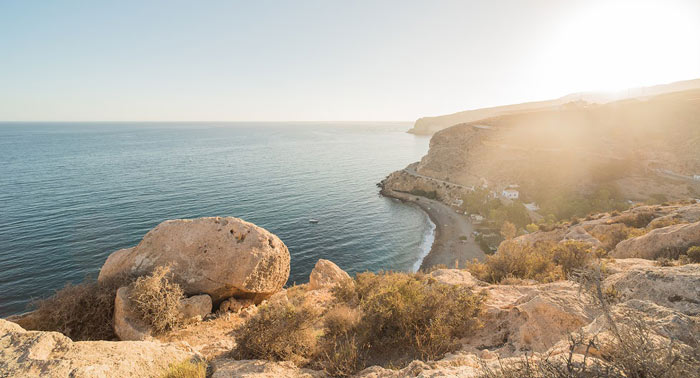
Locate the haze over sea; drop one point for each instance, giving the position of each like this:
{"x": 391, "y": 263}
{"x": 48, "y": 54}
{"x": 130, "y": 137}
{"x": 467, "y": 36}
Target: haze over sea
{"x": 72, "y": 193}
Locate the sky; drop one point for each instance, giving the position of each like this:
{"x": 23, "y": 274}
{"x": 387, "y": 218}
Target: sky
{"x": 328, "y": 60}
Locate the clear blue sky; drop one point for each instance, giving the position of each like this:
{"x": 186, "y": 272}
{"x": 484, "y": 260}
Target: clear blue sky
{"x": 328, "y": 60}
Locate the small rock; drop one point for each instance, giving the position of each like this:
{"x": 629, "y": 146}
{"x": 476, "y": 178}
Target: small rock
{"x": 235, "y": 305}
{"x": 326, "y": 274}
{"x": 195, "y": 307}
{"x": 127, "y": 324}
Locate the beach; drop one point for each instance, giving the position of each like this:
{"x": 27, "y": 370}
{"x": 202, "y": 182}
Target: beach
{"x": 447, "y": 247}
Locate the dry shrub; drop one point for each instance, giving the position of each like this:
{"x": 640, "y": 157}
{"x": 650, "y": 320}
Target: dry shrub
{"x": 542, "y": 262}
{"x": 636, "y": 219}
{"x": 81, "y": 312}
{"x": 280, "y": 331}
{"x": 402, "y": 317}
{"x": 693, "y": 254}
{"x": 386, "y": 318}
{"x": 187, "y": 369}
{"x": 664, "y": 222}
{"x": 612, "y": 236}
{"x": 156, "y": 300}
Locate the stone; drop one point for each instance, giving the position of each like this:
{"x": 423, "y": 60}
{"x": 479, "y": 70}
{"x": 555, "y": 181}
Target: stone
{"x": 127, "y": 324}
{"x": 229, "y": 368}
{"x": 235, "y": 305}
{"x": 195, "y": 307}
{"x": 579, "y": 234}
{"x": 456, "y": 277}
{"x": 221, "y": 257}
{"x": 663, "y": 242}
{"x": 51, "y": 354}
{"x": 326, "y": 274}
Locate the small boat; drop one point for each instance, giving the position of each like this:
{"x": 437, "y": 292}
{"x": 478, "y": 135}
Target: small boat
{"x": 314, "y": 221}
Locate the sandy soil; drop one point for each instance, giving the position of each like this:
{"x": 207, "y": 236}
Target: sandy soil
{"x": 449, "y": 227}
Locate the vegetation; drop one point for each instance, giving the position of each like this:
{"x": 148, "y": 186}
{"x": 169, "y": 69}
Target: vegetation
{"x": 542, "y": 262}
{"x": 156, "y": 299}
{"x": 427, "y": 194}
{"x": 508, "y": 230}
{"x": 693, "y": 254}
{"x": 81, "y": 312}
{"x": 187, "y": 369}
{"x": 386, "y": 318}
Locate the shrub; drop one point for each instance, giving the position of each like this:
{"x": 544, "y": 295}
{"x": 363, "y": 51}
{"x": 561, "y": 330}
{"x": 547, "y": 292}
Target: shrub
{"x": 532, "y": 228}
{"x": 693, "y": 254}
{"x": 81, "y": 312}
{"x": 543, "y": 261}
{"x": 508, "y": 230}
{"x": 187, "y": 369}
{"x": 637, "y": 219}
{"x": 280, "y": 331}
{"x": 156, "y": 299}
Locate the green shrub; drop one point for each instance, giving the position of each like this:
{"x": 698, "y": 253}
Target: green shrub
{"x": 637, "y": 219}
{"x": 280, "y": 331}
{"x": 81, "y": 312}
{"x": 156, "y": 300}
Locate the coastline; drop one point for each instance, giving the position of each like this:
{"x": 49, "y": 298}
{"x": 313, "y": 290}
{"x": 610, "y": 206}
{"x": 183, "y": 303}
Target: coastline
{"x": 447, "y": 247}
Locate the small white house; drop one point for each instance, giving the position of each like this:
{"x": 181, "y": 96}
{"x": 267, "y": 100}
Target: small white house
{"x": 511, "y": 194}
{"x": 696, "y": 177}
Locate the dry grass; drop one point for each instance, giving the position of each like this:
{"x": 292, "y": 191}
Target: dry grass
{"x": 693, "y": 254}
{"x": 279, "y": 332}
{"x": 187, "y": 369}
{"x": 542, "y": 262}
{"x": 387, "y": 319}
{"x": 81, "y": 312}
{"x": 156, "y": 300}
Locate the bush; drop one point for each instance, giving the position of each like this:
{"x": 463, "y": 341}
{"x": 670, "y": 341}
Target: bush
{"x": 81, "y": 312}
{"x": 187, "y": 369}
{"x": 637, "y": 220}
{"x": 278, "y": 332}
{"x": 694, "y": 254}
{"x": 542, "y": 262}
{"x": 156, "y": 300}
{"x": 423, "y": 193}
{"x": 386, "y": 318}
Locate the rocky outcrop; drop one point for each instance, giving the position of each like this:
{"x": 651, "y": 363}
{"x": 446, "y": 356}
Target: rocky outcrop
{"x": 456, "y": 277}
{"x": 129, "y": 326}
{"x": 228, "y": 368}
{"x": 580, "y": 234}
{"x": 326, "y": 274}
{"x": 51, "y": 354}
{"x": 221, "y": 257}
{"x": 235, "y": 305}
{"x": 667, "y": 242}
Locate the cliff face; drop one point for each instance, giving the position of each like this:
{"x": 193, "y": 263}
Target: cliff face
{"x": 641, "y": 147}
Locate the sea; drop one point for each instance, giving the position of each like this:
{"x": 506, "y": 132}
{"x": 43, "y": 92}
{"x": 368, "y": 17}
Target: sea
{"x": 72, "y": 193}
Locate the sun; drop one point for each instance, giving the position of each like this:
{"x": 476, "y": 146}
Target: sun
{"x": 618, "y": 45}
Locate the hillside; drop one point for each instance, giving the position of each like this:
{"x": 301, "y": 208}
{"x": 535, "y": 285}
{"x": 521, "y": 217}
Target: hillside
{"x": 430, "y": 125}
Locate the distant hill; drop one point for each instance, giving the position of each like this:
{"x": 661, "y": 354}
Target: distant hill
{"x": 430, "y": 125}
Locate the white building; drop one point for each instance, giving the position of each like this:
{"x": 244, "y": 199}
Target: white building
{"x": 696, "y": 177}
{"x": 511, "y": 194}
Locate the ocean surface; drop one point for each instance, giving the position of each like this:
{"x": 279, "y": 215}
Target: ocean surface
{"x": 72, "y": 193}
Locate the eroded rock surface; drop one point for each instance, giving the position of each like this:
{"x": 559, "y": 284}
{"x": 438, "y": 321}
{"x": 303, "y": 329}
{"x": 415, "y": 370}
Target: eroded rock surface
{"x": 51, "y": 354}
{"x": 326, "y": 274}
{"x": 668, "y": 241}
{"x": 221, "y": 257}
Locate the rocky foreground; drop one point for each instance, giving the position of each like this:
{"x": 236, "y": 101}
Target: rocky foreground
{"x": 229, "y": 267}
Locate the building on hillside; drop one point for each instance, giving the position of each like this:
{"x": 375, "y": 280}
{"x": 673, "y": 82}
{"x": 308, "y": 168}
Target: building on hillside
{"x": 476, "y": 218}
{"x": 510, "y": 193}
{"x": 532, "y": 206}
{"x": 696, "y": 177}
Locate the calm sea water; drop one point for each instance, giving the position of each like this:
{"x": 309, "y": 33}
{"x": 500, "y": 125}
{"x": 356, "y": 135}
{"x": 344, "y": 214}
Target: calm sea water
{"x": 70, "y": 194}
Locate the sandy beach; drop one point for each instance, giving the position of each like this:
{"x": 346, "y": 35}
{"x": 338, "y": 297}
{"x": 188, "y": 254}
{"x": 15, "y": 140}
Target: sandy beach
{"x": 449, "y": 227}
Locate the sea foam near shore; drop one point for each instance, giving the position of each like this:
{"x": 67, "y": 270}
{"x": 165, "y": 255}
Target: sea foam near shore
{"x": 426, "y": 244}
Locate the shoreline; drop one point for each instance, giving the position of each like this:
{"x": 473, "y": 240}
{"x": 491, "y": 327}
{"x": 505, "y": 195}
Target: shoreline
{"x": 447, "y": 248}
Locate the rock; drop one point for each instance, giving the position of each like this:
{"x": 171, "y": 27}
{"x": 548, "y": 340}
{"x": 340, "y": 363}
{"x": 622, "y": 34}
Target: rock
{"x": 228, "y": 368}
{"x": 195, "y": 307}
{"x": 127, "y": 324}
{"x": 579, "y": 234}
{"x": 676, "y": 287}
{"x": 326, "y": 274}
{"x": 221, "y": 257}
{"x": 51, "y": 354}
{"x": 456, "y": 277}
{"x": 669, "y": 242}
{"x": 235, "y": 305}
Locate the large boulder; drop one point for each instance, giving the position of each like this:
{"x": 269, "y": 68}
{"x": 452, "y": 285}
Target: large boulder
{"x": 51, "y": 354}
{"x": 663, "y": 242}
{"x": 221, "y": 257}
{"x": 326, "y": 274}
